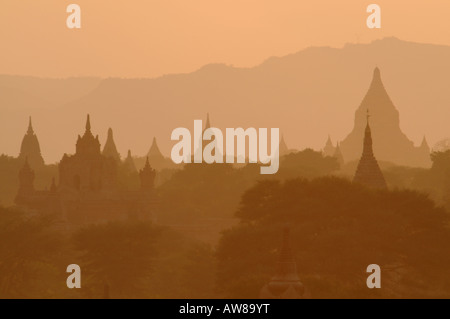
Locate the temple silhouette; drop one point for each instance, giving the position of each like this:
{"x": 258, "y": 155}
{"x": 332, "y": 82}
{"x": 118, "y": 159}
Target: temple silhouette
{"x": 368, "y": 172}
{"x": 30, "y": 148}
{"x": 88, "y": 188}
{"x": 283, "y": 149}
{"x": 392, "y": 144}
{"x": 155, "y": 156}
{"x": 110, "y": 149}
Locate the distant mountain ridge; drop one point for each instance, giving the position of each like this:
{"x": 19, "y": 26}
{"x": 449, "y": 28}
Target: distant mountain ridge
{"x": 308, "y": 94}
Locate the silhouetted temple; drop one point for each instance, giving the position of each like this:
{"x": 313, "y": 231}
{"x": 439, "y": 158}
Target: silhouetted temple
{"x": 155, "y": 157}
{"x": 88, "y": 188}
{"x": 110, "y": 149}
{"x": 283, "y": 148}
{"x": 147, "y": 176}
{"x": 286, "y": 283}
{"x": 392, "y": 144}
{"x": 88, "y": 169}
{"x": 30, "y": 148}
{"x": 368, "y": 172}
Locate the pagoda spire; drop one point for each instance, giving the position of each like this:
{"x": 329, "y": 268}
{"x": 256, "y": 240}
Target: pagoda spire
{"x": 110, "y": 149}
{"x": 425, "y": 143}
{"x": 376, "y": 74}
{"x": 424, "y": 151}
{"x": 283, "y": 149}
{"x": 30, "y": 127}
{"x": 88, "y": 144}
{"x": 156, "y": 158}
{"x": 30, "y": 147}
{"x": 367, "y": 146}
{"x": 147, "y": 176}
{"x": 88, "y": 124}
{"x": 368, "y": 172}
{"x": 154, "y": 151}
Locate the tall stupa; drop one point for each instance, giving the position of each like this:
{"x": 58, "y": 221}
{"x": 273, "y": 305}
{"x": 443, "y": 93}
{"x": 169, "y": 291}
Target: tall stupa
{"x": 30, "y": 149}
{"x": 368, "y": 172}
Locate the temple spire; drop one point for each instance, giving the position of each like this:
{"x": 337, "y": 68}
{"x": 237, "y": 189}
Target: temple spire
{"x": 424, "y": 143}
{"x": 30, "y": 127}
{"x": 367, "y": 146}
{"x": 88, "y": 124}
{"x": 110, "y": 149}
{"x": 283, "y": 149}
{"x": 147, "y": 176}
{"x": 368, "y": 172}
{"x": 329, "y": 148}
{"x": 88, "y": 144}
{"x": 376, "y": 74}
{"x": 154, "y": 152}
{"x": 155, "y": 157}
{"x": 30, "y": 148}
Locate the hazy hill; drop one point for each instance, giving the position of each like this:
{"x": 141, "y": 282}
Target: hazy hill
{"x": 54, "y": 92}
{"x": 309, "y": 95}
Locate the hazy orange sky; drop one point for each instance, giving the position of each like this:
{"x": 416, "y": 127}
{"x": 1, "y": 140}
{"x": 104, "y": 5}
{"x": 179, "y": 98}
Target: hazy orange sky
{"x": 148, "y": 38}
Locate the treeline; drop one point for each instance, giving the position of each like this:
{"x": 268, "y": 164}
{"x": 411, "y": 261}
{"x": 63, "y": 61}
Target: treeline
{"x": 338, "y": 229}
{"x": 129, "y": 259}
{"x": 218, "y": 234}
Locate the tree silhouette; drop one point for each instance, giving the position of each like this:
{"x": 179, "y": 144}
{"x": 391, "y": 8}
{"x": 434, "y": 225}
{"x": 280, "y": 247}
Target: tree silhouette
{"x": 117, "y": 255}
{"x": 338, "y": 229}
{"x": 29, "y": 249}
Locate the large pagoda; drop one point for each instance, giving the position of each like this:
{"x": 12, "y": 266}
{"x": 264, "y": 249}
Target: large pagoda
{"x": 368, "y": 172}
